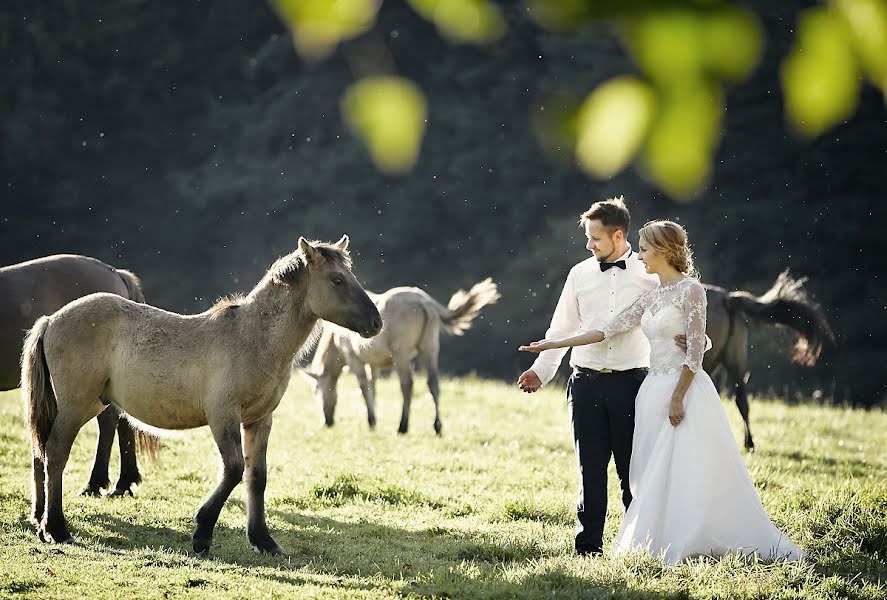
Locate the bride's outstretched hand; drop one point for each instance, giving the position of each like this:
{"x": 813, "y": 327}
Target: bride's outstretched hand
{"x": 536, "y": 346}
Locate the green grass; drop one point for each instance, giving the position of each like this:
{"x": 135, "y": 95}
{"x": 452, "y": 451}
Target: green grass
{"x": 486, "y": 511}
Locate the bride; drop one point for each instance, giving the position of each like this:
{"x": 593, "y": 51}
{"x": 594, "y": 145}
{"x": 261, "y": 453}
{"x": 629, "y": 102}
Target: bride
{"x": 692, "y": 492}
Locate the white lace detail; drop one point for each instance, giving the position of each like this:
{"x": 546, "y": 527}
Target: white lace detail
{"x": 663, "y": 313}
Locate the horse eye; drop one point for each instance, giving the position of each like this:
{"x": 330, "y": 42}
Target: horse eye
{"x": 338, "y": 281}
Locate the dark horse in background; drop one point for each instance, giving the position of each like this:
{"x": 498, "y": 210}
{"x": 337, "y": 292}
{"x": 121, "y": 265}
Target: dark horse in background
{"x": 786, "y": 303}
{"x": 40, "y": 287}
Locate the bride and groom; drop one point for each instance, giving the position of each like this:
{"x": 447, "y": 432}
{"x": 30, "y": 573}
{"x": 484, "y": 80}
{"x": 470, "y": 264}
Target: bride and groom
{"x": 636, "y": 323}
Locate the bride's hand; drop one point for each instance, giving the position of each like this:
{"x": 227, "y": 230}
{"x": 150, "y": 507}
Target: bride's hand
{"x": 676, "y": 411}
{"x": 539, "y": 346}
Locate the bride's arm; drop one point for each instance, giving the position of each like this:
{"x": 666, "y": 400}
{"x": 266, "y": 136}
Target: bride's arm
{"x": 626, "y": 320}
{"x": 694, "y": 319}
{"x": 589, "y": 337}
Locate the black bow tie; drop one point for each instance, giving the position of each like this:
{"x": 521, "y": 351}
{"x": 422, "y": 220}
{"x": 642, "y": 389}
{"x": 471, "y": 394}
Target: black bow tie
{"x": 618, "y": 263}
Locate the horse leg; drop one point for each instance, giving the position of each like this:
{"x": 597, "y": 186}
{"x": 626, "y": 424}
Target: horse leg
{"x": 360, "y": 371}
{"x": 38, "y": 490}
{"x": 736, "y": 363}
{"x": 53, "y": 527}
{"x": 255, "y": 449}
{"x": 129, "y": 467}
{"x": 405, "y": 374}
{"x": 226, "y": 433}
{"x": 428, "y": 359}
{"x": 99, "y": 479}
{"x": 742, "y": 405}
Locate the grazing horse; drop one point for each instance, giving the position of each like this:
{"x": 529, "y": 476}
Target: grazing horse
{"x": 227, "y": 368}
{"x": 786, "y": 303}
{"x": 40, "y": 287}
{"x": 413, "y": 321}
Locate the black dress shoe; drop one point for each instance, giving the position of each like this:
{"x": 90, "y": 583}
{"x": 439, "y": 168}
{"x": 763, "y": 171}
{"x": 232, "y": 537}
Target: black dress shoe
{"x": 589, "y": 551}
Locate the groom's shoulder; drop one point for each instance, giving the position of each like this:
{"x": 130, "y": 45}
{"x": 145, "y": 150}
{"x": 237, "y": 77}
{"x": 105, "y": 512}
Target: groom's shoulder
{"x": 587, "y": 264}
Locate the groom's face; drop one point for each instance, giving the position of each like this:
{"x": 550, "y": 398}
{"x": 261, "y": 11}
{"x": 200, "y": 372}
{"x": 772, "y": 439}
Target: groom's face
{"x": 600, "y": 242}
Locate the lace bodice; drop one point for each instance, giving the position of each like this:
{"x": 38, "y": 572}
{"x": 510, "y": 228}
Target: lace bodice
{"x": 663, "y": 313}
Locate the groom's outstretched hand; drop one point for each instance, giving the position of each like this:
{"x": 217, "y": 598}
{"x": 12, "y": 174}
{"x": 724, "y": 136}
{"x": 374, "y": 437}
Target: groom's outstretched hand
{"x": 529, "y": 381}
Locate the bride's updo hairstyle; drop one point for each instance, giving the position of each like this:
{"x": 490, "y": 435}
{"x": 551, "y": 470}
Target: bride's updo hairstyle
{"x": 670, "y": 240}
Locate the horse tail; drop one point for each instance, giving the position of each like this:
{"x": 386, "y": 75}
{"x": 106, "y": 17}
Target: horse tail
{"x": 787, "y": 303}
{"x": 133, "y": 285}
{"x": 40, "y": 402}
{"x": 464, "y": 306}
{"x": 149, "y": 445}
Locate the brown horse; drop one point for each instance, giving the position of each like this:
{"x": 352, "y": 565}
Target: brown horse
{"x": 227, "y": 368}
{"x": 40, "y": 287}
{"x": 786, "y": 303}
{"x": 413, "y": 322}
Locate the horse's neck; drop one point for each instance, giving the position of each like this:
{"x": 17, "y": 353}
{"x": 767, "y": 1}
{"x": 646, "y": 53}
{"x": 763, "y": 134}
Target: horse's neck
{"x": 279, "y": 312}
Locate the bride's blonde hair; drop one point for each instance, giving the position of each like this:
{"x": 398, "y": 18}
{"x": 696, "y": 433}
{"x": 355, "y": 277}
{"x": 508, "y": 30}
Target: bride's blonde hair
{"x": 670, "y": 240}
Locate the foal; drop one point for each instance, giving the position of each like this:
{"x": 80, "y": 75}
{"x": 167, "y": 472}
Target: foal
{"x": 226, "y": 368}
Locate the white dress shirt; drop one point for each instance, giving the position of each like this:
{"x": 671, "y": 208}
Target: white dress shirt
{"x": 591, "y": 298}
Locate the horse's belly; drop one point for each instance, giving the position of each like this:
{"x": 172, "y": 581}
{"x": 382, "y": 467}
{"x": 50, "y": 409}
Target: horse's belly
{"x": 164, "y": 407}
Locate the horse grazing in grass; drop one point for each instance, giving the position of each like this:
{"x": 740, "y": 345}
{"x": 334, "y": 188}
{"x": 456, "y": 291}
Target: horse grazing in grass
{"x": 413, "y": 322}
{"x": 786, "y": 303}
{"x": 227, "y": 368}
{"x": 40, "y": 287}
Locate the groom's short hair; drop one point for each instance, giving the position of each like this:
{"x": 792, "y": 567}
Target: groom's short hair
{"x": 611, "y": 213}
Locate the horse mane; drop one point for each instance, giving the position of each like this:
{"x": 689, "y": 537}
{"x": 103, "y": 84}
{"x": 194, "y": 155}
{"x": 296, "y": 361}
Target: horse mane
{"x": 222, "y": 304}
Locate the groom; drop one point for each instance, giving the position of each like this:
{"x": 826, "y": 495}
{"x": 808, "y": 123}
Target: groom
{"x": 606, "y": 376}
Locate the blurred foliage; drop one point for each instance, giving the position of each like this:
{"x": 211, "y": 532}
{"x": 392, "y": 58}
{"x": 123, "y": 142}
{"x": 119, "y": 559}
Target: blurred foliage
{"x": 318, "y": 27}
{"x": 388, "y": 114}
{"x": 686, "y": 50}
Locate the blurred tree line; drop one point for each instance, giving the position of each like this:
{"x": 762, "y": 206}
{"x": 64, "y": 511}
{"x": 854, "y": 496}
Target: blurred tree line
{"x": 189, "y": 143}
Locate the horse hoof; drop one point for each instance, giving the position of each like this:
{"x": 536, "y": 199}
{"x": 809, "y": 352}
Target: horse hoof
{"x": 437, "y": 428}
{"x": 91, "y": 490}
{"x": 41, "y": 535}
{"x": 201, "y": 545}
{"x": 273, "y": 549}
{"x": 121, "y": 493}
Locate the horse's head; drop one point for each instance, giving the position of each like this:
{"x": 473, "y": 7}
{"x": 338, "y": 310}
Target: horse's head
{"x": 333, "y": 292}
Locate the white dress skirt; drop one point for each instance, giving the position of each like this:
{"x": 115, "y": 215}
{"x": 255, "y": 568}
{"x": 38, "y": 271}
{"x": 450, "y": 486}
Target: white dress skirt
{"x": 692, "y": 494}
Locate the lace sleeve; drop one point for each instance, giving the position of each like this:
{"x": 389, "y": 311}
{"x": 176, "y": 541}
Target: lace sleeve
{"x": 695, "y": 304}
{"x": 627, "y": 319}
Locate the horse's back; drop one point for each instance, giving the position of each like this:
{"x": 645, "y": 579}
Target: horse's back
{"x": 150, "y": 363}
{"x": 41, "y": 287}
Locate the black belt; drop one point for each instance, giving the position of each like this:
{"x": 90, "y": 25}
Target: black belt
{"x": 587, "y": 371}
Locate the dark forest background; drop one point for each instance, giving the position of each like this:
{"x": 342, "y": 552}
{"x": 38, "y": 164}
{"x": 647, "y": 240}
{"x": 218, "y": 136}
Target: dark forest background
{"x": 188, "y": 142}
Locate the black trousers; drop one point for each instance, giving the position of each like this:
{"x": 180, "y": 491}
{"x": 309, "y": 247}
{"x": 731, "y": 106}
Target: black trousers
{"x": 602, "y": 414}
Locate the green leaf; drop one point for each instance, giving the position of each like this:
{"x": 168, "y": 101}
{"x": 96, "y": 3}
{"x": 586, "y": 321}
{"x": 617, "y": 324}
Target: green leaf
{"x": 820, "y": 78}
{"x": 559, "y": 15}
{"x": 678, "y": 152}
{"x": 731, "y": 41}
{"x": 612, "y": 124}
{"x": 463, "y": 20}
{"x": 318, "y": 26}
{"x": 867, "y": 22}
{"x": 666, "y": 44}
{"x": 388, "y": 115}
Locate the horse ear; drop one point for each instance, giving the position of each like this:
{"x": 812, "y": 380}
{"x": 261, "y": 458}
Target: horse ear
{"x": 343, "y": 242}
{"x": 310, "y": 252}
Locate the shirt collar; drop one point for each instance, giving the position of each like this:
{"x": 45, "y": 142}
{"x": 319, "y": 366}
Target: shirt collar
{"x": 627, "y": 254}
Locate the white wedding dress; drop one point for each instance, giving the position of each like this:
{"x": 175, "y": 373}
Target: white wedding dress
{"x": 692, "y": 492}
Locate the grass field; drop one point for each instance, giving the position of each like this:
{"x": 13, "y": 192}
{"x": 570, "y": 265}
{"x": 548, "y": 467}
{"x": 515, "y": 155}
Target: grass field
{"x": 486, "y": 511}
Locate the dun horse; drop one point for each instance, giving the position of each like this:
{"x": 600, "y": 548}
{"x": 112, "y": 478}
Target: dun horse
{"x": 40, "y": 287}
{"x": 227, "y": 368}
{"x": 786, "y": 303}
{"x": 413, "y": 321}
